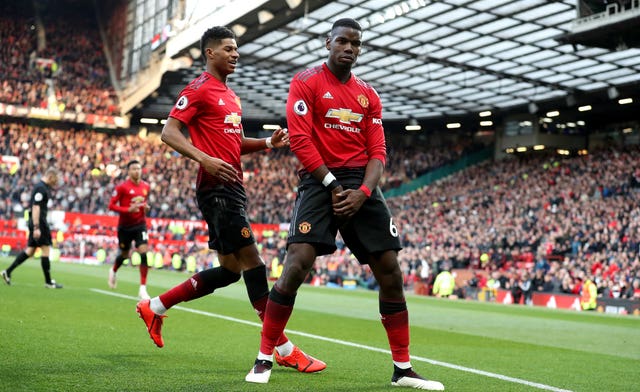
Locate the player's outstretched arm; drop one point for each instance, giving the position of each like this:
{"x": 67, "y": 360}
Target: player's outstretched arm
{"x": 279, "y": 139}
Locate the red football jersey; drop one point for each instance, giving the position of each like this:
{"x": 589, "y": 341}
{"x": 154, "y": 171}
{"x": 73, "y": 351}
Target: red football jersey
{"x": 213, "y": 114}
{"x": 126, "y": 194}
{"x": 333, "y": 123}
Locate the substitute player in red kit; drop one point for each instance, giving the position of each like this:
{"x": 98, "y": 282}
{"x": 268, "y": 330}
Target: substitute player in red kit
{"x": 130, "y": 201}
{"x": 335, "y": 126}
{"x": 212, "y": 113}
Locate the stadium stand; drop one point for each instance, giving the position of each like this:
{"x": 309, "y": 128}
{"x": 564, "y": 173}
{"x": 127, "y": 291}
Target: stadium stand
{"x": 570, "y": 217}
{"x": 53, "y": 63}
{"x": 22, "y": 83}
{"x": 534, "y": 220}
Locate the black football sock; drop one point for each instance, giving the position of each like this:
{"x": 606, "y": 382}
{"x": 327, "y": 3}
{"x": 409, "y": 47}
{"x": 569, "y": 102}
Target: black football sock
{"x": 258, "y": 290}
{"x": 46, "y": 266}
{"x": 20, "y": 258}
{"x": 256, "y": 282}
{"x": 118, "y": 262}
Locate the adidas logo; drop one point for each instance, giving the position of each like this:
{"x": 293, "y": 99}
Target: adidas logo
{"x": 220, "y": 102}
{"x": 327, "y": 95}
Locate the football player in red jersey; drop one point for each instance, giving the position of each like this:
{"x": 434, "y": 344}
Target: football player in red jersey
{"x": 129, "y": 199}
{"x": 335, "y": 126}
{"x": 212, "y": 114}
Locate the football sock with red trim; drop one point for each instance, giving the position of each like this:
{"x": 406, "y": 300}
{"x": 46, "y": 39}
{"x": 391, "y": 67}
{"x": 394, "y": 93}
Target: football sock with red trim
{"x": 144, "y": 269}
{"x": 199, "y": 285}
{"x": 277, "y": 313}
{"x": 258, "y": 290}
{"x": 395, "y": 319}
{"x": 118, "y": 262}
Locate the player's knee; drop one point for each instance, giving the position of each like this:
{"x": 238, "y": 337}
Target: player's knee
{"x": 299, "y": 262}
{"x": 228, "y": 277}
{"x": 390, "y": 281}
{"x": 293, "y": 276}
{"x": 391, "y": 285}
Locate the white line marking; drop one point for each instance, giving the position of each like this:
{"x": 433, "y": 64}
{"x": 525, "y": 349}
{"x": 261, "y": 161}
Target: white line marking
{"x": 361, "y": 346}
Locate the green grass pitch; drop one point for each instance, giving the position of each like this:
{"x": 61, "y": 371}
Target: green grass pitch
{"x": 86, "y": 337}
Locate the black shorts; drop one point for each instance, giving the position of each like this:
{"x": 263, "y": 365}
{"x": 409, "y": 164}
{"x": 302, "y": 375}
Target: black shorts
{"x": 44, "y": 240}
{"x": 126, "y": 235}
{"x": 370, "y": 230}
{"x": 229, "y": 228}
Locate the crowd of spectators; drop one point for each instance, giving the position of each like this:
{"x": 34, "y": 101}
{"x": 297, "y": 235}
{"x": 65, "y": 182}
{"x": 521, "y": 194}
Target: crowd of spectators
{"x": 411, "y": 161}
{"x": 92, "y": 163}
{"x": 572, "y": 218}
{"x": 49, "y": 61}
{"x": 531, "y": 223}
{"x": 98, "y": 158}
{"x": 22, "y": 83}
{"x": 83, "y": 84}
{"x": 567, "y": 219}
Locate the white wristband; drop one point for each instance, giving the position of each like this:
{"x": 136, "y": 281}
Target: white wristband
{"x": 328, "y": 179}
{"x": 268, "y": 142}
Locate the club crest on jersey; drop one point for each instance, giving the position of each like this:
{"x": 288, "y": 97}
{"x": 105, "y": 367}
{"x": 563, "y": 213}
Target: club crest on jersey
{"x": 232, "y": 118}
{"x": 304, "y": 227}
{"x": 182, "y": 102}
{"x": 344, "y": 115}
{"x": 363, "y": 101}
{"x": 300, "y": 108}
{"x": 245, "y": 232}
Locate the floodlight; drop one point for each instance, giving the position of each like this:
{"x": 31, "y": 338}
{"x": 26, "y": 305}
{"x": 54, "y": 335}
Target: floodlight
{"x": 264, "y": 16}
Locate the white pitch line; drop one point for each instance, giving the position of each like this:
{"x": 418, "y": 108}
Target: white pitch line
{"x": 361, "y": 346}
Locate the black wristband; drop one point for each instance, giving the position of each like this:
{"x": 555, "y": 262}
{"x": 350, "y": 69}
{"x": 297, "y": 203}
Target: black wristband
{"x": 333, "y": 185}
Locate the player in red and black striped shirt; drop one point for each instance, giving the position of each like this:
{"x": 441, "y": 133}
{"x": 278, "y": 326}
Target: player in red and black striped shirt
{"x": 335, "y": 126}
{"x": 212, "y": 113}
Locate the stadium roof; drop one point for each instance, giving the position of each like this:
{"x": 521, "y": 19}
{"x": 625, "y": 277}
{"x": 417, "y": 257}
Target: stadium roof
{"x": 427, "y": 59}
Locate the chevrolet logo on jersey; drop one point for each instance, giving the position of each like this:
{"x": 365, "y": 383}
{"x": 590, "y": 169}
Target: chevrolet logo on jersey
{"x": 344, "y": 115}
{"x": 232, "y": 118}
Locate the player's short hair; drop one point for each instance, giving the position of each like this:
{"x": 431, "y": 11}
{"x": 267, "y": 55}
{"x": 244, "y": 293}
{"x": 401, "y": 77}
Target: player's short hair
{"x": 49, "y": 174}
{"x": 346, "y": 22}
{"x": 215, "y": 35}
{"x": 51, "y": 171}
{"x": 133, "y": 162}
